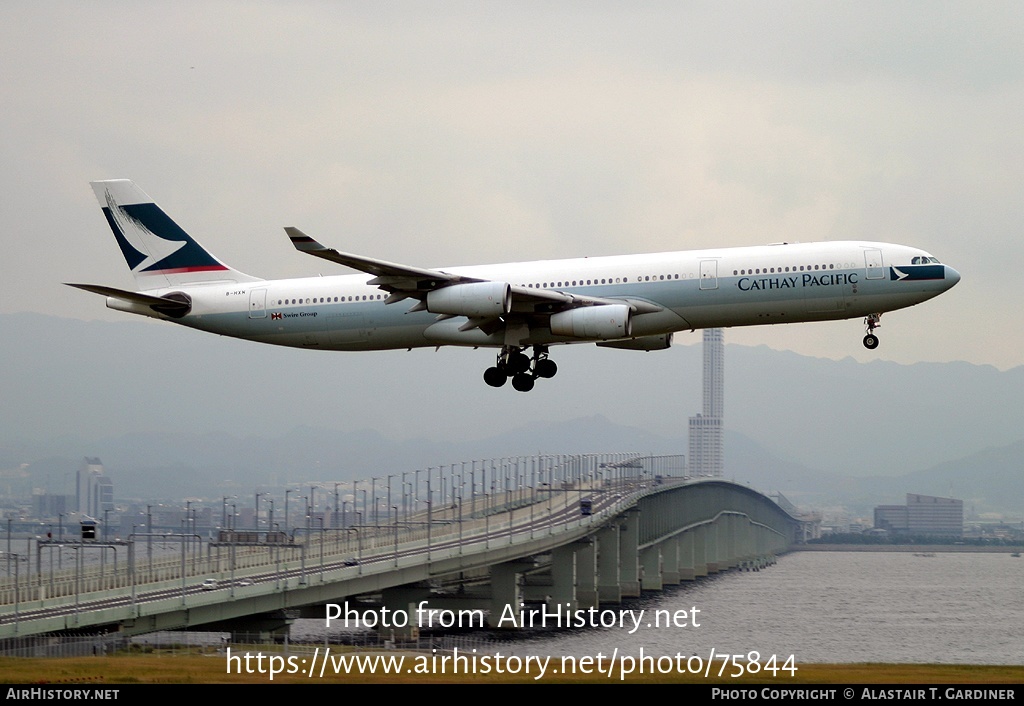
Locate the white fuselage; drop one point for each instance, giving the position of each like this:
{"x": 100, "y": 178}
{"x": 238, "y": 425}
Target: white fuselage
{"x": 724, "y": 287}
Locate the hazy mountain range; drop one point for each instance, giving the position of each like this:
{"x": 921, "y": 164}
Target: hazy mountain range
{"x": 176, "y": 413}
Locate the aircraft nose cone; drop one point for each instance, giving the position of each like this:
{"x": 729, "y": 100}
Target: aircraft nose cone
{"x": 952, "y": 276}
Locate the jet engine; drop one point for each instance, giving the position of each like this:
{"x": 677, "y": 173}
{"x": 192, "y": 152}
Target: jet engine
{"x": 473, "y": 299}
{"x": 598, "y": 322}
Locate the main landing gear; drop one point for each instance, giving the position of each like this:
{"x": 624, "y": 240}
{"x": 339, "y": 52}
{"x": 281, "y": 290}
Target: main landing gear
{"x": 871, "y": 340}
{"x": 524, "y": 370}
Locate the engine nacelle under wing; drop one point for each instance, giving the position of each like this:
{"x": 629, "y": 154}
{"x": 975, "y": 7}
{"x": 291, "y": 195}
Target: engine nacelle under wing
{"x": 643, "y": 343}
{"x": 476, "y": 299}
{"x": 594, "y": 322}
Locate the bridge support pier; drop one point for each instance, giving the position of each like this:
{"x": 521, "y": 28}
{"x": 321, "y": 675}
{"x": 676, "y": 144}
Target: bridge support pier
{"x": 686, "y": 572}
{"x": 700, "y": 551}
{"x": 745, "y": 545}
{"x": 670, "y": 561}
{"x": 752, "y": 541}
{"x": 726, "y": 542}
{"x": 505, "y": 590}
{"x": 407, "y": 599}
{"x": 586, "y": 574}
{"x": 735, "y": 529}
{"x": 711, "y": 547}
{"x": 608, "y": 588}
{"x": 563, "y": 577}
{"x": 629, "y": 555}
{"x": 650, "y": 561}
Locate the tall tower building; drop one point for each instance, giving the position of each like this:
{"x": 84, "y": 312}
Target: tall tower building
{"x": 714, "y": 373}
{"x": 94, "y": 491}
{"x": 706, "y": 429}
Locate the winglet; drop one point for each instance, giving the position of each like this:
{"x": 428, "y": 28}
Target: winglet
{"x": 301, "y": 241}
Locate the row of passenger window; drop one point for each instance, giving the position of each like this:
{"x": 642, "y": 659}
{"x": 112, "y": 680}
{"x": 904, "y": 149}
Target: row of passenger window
{"x": 538, "y": 285}
{"x": 794, "y": 268}
{"x": 604, "y": 280}
{"x": 329, "y": 300}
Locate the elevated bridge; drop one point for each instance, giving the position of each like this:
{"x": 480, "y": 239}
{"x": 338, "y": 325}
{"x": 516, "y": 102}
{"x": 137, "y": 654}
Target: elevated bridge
{"x": 577, "y": 532}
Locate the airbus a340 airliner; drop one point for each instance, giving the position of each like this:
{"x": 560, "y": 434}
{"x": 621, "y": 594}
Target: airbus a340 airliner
{"x": 634, "y": 302}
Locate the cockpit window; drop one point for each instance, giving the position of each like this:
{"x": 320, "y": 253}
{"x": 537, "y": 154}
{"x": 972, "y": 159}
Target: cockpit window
{"x": 924, "y": 260}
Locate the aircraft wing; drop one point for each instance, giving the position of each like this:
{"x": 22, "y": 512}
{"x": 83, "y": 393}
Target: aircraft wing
{"x": 403, "y": 281}
{"x": 389, "y": 273}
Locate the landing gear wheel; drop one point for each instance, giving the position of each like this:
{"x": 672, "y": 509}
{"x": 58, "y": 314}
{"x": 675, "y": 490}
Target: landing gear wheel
{"x": 523, "y": 382}
{"x": 517, "y": 363}
{"x": 545, "y": 368}
{"x": 495, "y": 377}
{"x": 871, "y": 322}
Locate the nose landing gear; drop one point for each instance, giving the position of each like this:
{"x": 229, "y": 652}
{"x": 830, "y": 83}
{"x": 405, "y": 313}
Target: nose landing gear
{"x": 524, "y": 370}
{"x": 871, "y": 340}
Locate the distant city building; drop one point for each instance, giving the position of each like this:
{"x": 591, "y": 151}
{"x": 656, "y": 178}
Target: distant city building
{"x": 94, "y": 491}
{"x": 892, "y": 518}
{"x": 707, "y": 429}
{"x": 245, "y": 518}
{"x": 923, "y": 515}
{"x": 46, "y": 505}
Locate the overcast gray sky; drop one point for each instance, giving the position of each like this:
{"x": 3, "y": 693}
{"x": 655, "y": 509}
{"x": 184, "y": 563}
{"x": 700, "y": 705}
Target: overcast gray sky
{"x": 451, "y": 133}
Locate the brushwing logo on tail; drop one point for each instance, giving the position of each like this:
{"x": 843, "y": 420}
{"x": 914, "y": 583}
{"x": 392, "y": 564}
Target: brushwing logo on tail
{"x": 132, "y": 235}
{"x": 154, "y": 244}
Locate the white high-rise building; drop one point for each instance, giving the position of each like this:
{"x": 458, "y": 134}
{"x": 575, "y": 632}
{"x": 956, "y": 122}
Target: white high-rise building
{"x": 94, "y": 490}
{"x": 714, "y": 373}
{"x": 706, "y": 429}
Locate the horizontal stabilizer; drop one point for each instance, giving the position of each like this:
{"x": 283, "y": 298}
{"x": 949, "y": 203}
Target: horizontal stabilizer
{"x": 161, "y": 304}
